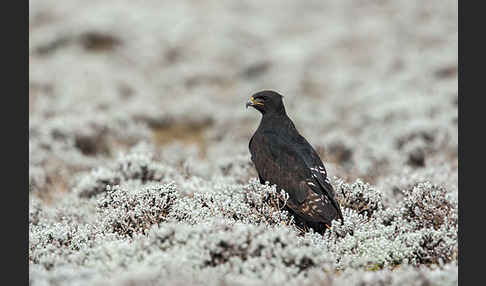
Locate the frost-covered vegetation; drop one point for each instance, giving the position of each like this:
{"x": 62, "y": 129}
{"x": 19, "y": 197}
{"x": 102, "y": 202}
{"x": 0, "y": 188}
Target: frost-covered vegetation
{"x": 139, "y": 170}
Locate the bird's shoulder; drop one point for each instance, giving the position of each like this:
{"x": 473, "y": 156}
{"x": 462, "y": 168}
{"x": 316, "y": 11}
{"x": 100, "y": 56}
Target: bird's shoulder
{"x": 283, "y": 138}
{"x": 279, "y": 143}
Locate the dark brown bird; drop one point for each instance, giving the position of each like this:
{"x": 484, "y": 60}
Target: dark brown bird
{"x": 284, "y": 158}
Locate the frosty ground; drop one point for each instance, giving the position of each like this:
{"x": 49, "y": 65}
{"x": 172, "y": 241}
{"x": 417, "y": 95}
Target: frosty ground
{"x": 139, "y": 170}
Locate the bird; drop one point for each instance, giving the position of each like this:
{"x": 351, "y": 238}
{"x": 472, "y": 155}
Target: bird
{"x": 284, "y": 158}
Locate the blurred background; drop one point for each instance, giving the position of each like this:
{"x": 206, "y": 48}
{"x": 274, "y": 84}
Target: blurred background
{"x": 371, "y": 84}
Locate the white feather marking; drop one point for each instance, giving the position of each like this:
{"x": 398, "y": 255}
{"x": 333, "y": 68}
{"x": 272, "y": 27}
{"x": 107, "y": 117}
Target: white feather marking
{"x": 322, "y": 170}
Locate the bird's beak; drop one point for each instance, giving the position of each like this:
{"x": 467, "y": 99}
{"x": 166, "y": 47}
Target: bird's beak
{"x": 252, "y": 102}
{"x": 248, "y": 103}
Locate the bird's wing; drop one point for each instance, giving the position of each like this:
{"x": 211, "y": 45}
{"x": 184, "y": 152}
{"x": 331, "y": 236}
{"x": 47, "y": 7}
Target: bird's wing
{"x": 318, "y": 172}
{"x": 293, "y": 167}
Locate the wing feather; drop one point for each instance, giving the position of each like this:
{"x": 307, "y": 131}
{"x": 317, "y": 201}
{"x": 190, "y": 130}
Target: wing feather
{"x": 319, "y": 174}
{"x": 298, "y": 169}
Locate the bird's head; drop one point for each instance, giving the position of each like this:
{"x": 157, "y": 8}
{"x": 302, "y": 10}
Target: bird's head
{"x": 267, "y": 102}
